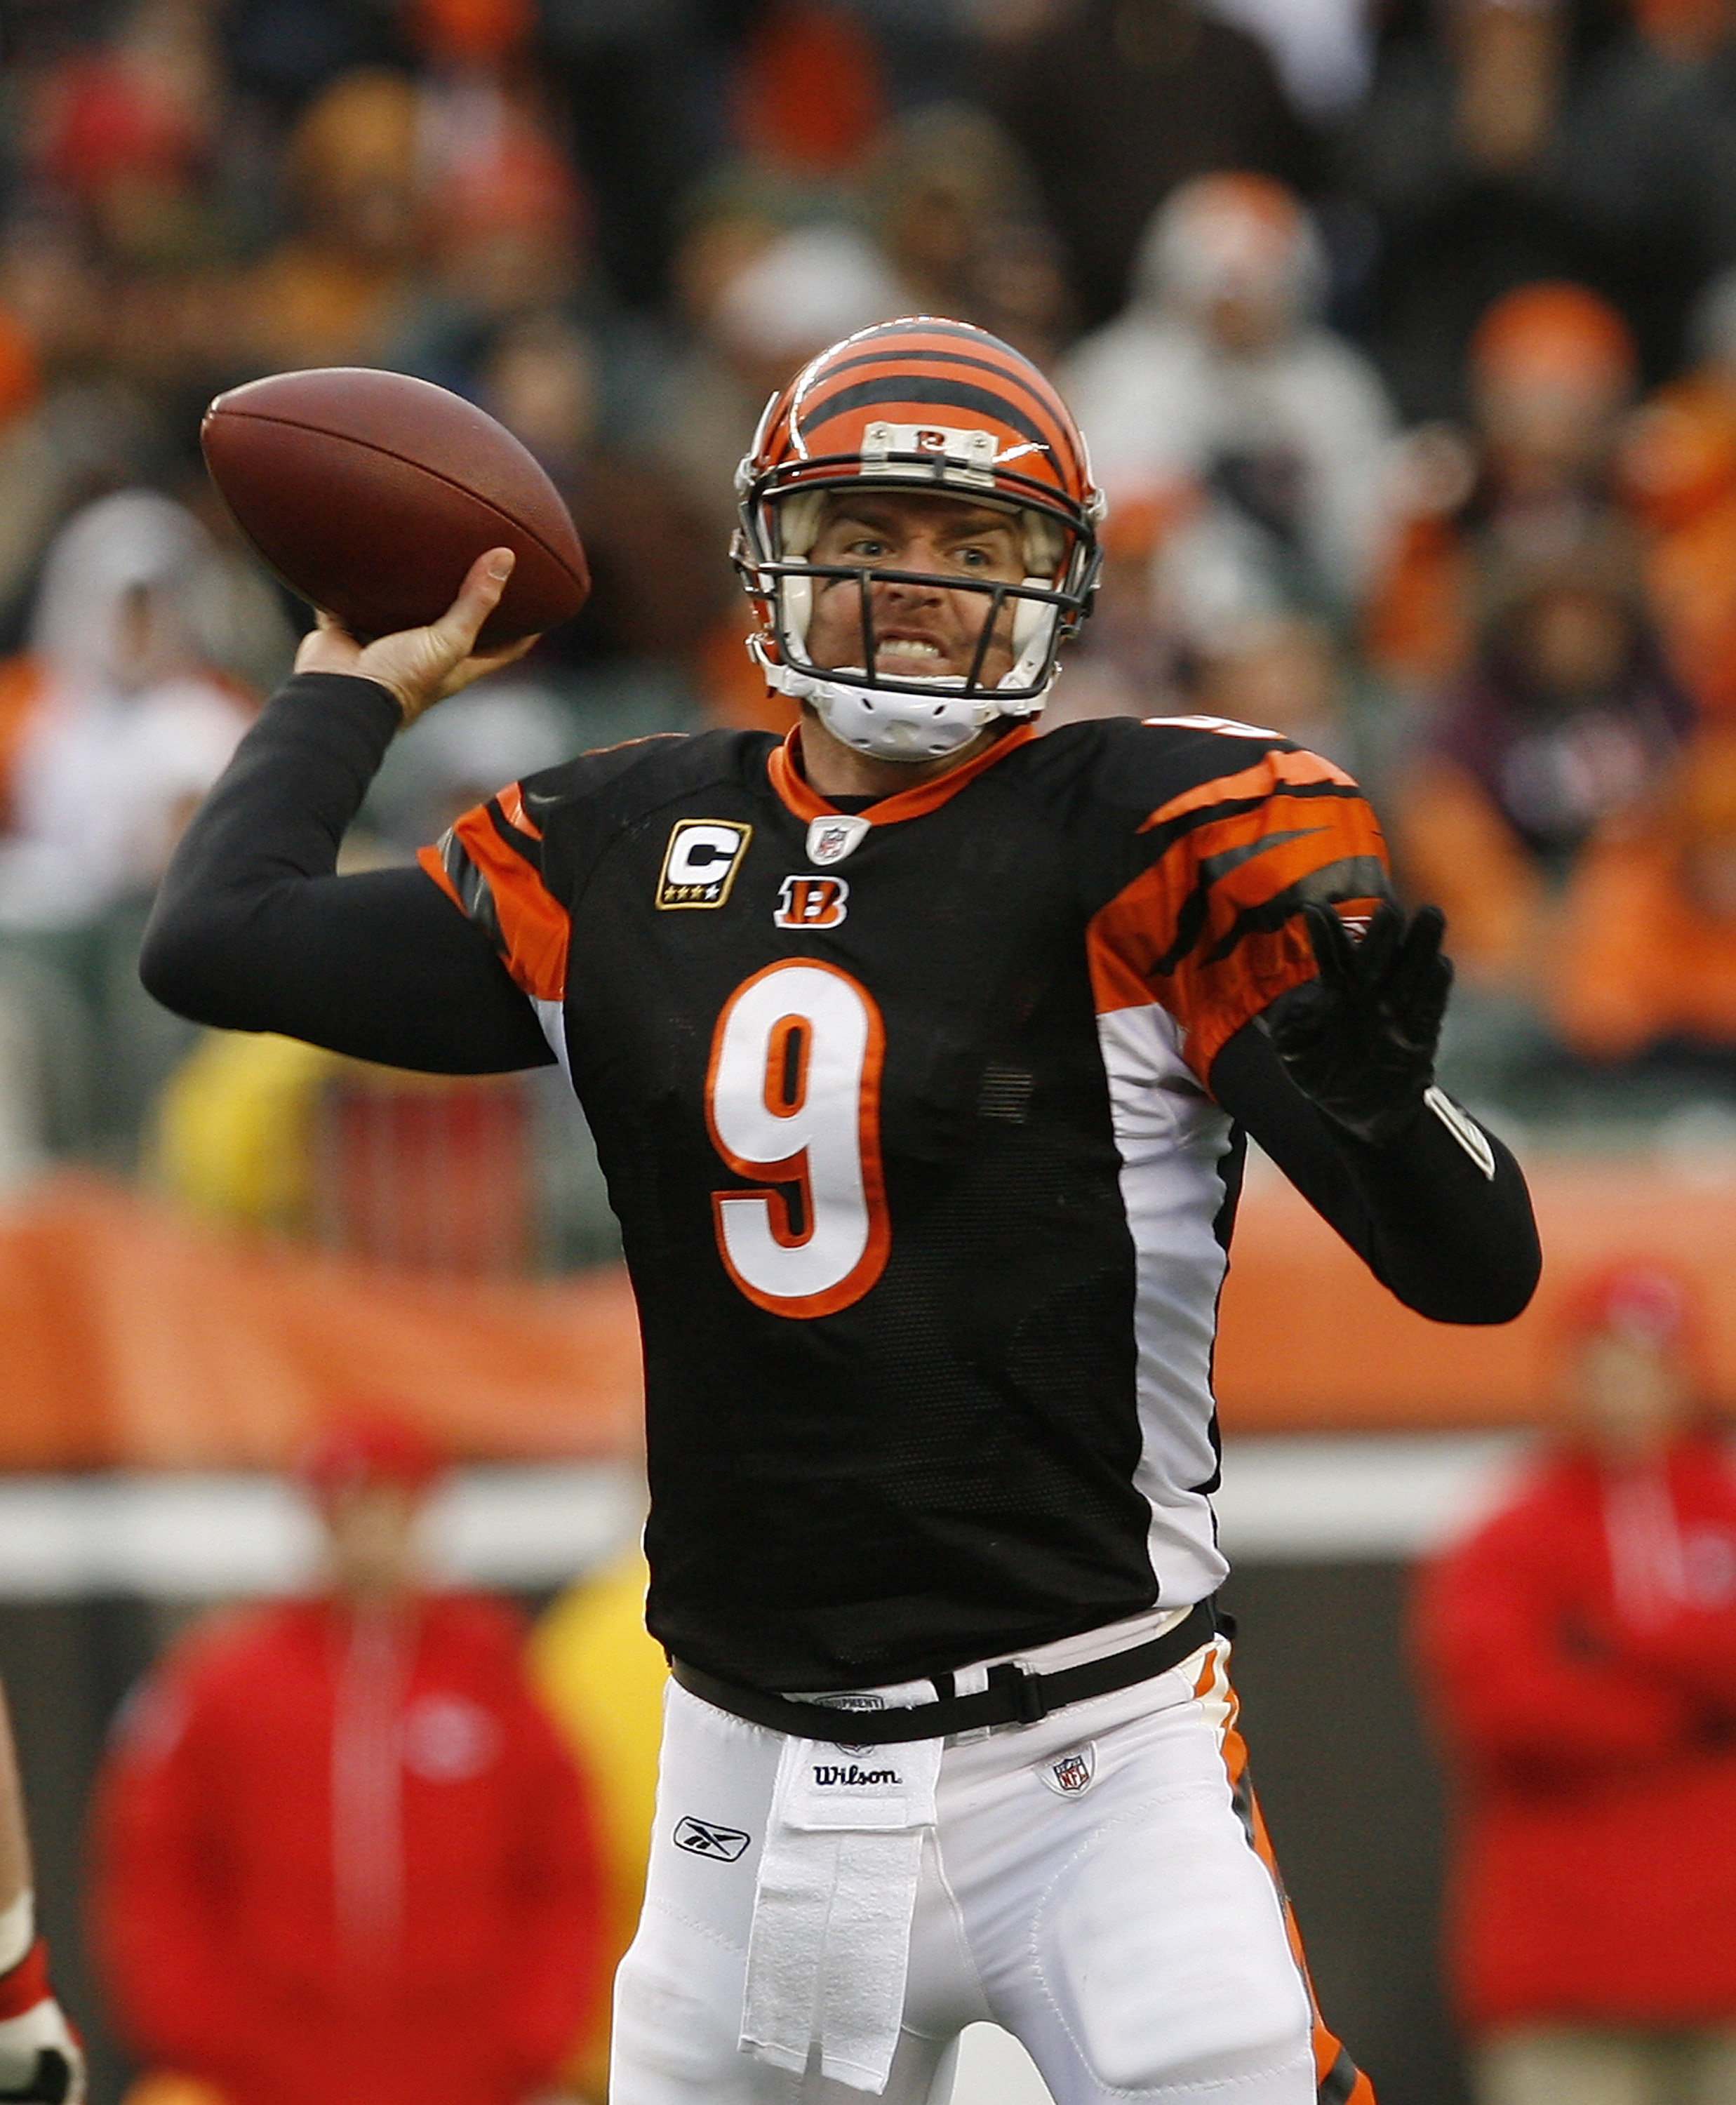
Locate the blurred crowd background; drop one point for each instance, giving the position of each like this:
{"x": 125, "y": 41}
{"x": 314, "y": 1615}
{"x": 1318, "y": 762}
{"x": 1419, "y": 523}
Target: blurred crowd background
{"x": 1404, "y": 333}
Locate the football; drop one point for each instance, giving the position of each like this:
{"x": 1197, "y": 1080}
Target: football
{"x": 371, "y": 493}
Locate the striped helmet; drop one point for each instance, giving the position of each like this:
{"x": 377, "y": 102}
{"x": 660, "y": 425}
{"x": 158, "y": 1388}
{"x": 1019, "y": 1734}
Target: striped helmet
{"x": 943, "y": 408}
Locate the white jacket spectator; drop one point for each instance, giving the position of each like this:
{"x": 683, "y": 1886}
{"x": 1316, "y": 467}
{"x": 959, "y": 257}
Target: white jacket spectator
{"x": 123, "y": 726}
{"x": 1221, "y": 411}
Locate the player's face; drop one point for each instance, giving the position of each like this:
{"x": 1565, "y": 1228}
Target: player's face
{"x": 920, "y": 631}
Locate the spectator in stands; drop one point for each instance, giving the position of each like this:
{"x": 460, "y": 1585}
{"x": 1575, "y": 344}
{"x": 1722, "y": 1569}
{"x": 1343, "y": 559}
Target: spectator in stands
{"x": 341, "y": 281}
{"x": 1321, "y": 48}
{"x": 629, "y": 665}
{"x": 1115, "y": 102}
{"x": 1552, "y": 370}
{"x": 1252, "y": 441}
{"x": 1580, "y": 1650}
{"x": 341, "y": 1858}
{"x": 1678, "y": 461}
{"x": 639, "y": 86}
{"x": 1656, "y": 180}
{"x": 957, "y": 215}
{"x": 74, "y": 428}
{"x": 1646, "y": 955}
{"x": 1462, "y": 150}
{"x": 1566, "y": 718}
{"x": 112, "y": 724}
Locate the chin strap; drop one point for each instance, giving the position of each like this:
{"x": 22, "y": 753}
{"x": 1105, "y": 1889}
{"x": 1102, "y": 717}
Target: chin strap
{"x": 890, "y": 726}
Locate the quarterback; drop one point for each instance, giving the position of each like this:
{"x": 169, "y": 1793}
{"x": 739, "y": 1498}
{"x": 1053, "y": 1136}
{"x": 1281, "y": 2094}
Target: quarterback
{"x": 921, "y": 1053}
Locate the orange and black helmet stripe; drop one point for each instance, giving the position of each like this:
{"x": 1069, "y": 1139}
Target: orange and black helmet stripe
{"x": 912, "y": 371}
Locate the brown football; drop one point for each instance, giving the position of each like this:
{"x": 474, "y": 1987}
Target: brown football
{"x": 371, "y": 494}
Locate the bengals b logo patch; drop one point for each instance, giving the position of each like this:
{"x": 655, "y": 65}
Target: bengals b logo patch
{"x": 812, "y": 902}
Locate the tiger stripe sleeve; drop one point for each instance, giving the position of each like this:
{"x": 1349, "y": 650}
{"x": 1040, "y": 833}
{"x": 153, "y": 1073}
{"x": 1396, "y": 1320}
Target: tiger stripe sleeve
{"x": 489, "y": 863}
{"x": 1211, "y": 929}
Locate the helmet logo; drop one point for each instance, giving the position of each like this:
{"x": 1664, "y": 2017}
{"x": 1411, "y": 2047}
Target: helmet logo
{"x": 948, "y": 454}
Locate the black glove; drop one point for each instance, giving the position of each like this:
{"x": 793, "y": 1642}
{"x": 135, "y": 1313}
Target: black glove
{"x": 1359, "y": 1040}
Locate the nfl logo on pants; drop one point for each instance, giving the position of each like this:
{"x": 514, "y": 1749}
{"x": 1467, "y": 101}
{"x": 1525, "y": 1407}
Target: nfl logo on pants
{"x": 1071, "y": 1773}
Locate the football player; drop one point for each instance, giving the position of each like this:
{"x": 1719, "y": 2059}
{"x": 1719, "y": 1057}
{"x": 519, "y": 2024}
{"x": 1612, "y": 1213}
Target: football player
{"x": 921, "y": 1054}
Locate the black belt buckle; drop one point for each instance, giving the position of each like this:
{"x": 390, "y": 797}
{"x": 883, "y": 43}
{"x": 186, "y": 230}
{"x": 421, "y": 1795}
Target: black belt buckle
{"x": 1030, "y": 1703}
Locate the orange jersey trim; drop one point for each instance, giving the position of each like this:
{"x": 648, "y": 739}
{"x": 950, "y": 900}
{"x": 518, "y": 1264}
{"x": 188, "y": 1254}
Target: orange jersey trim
{"x": 1190, "y": 936}
{"x": 429, "y": 859}
{"x": 533, "y": 930}
{"x": 1337, "y": 2079}
{"x": 511, "y": 801}
{"x": 797, "y": 794}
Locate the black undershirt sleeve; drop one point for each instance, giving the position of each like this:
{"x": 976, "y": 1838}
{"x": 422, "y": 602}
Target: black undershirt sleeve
{"x": 1451, "y": 1241}
{"x": 254, "y": 931}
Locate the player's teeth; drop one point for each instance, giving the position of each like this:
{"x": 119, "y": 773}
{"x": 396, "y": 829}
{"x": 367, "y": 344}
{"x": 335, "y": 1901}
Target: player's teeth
{"x": 904, "y": 647}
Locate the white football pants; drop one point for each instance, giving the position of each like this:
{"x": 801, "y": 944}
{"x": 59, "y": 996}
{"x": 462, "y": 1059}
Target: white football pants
{"x": 1122, "y": 1927}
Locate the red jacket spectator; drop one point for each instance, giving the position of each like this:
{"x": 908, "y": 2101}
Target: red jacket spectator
{"x": 1581, "y": 1650}
{"x": 343, "y": 1858}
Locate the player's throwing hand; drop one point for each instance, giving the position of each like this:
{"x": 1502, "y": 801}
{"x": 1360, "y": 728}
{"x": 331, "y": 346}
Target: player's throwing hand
{"x": 1360, "y": 1039}
{"x": 420, "y": 666}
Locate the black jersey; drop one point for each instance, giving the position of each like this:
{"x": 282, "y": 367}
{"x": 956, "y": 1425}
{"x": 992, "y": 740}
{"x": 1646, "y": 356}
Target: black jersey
{"x": 923, "y": 1199}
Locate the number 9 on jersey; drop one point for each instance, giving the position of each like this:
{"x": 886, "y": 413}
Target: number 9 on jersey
{"x": 793, "y": 1100}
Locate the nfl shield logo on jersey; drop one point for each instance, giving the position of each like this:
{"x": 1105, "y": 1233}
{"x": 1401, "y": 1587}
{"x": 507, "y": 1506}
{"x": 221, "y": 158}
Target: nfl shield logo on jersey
{"x": 832, "y": 836}
{"x": 1071, "y": 1774}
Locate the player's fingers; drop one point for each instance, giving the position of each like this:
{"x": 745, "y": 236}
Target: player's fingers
{"x": 327, "y": 647}
{"x": 1419, "y": 965}
{"x": 477, "y": 598}
{"x": 1332, "y": 948}
{"x": 1381, "y": 945}
{"x": 450, "y": 641}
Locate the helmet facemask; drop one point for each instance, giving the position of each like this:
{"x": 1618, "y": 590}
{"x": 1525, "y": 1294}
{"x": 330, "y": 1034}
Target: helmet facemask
{"x": 912, "y": 716}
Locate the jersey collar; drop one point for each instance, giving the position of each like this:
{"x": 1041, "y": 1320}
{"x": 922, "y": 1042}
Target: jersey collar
{"x": 799, "y": 796}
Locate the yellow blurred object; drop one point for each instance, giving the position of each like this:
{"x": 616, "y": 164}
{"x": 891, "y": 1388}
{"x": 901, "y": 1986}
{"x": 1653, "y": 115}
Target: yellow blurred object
{"x": 163, "y": 2087}
{"x": 602, "y": 1675}
{"x": 235, "y": 1128}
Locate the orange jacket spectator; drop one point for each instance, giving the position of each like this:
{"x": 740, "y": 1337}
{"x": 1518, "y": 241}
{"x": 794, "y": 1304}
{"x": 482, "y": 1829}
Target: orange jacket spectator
{"x": 1679, "y": 467}
{"x": 1566, "y": 719}
{"x": 1552, "y": 370}
{"x": 1647, "y": 936}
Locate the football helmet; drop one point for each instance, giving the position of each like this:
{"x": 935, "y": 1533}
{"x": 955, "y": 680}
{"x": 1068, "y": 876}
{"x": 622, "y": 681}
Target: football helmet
{"x": 939, "y": 407}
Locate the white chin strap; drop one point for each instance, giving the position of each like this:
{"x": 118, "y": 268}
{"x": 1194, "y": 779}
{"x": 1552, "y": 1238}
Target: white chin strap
{"x": 891, "y": 725}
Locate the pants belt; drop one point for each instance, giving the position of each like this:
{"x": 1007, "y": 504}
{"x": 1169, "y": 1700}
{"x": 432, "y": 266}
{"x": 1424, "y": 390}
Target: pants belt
{"x": 1013, "y": 1696}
